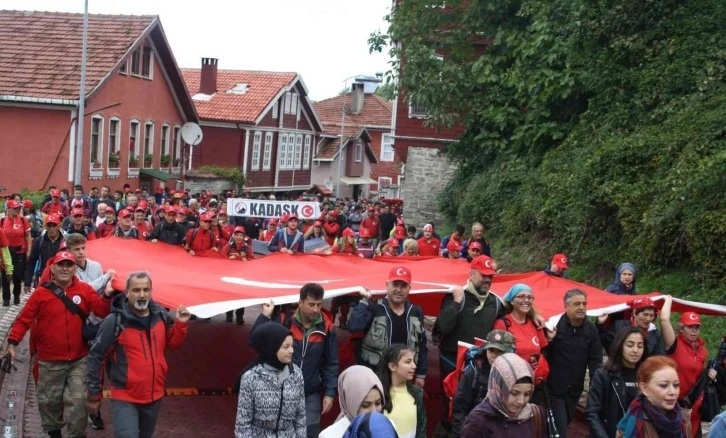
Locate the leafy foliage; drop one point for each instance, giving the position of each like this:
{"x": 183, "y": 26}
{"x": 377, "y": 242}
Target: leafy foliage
{"x": 594, "y": 127}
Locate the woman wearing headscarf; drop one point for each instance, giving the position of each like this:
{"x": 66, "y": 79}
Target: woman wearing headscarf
{"x": 371, "y": 425}
{"x": 529, "y": 341}
{"x": 271, "y": 401}
{"x": 359, "y": 392}
{"x": 624, "y": 280}
{"x": 506, "y": 411}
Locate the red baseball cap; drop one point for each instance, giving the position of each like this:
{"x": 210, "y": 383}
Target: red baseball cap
{"x": 52, "y": 219}
{"x": 400, "y": 233}
{"x": 28, "y": 203}
{"x": 181, "y": 210}
{"x": 55, "y": 193}
{"x": 392, "y": 242}
{"x": 428, "y": 227}
{"x": 206, "y": 217}
{"x": 400, "y": 274}
{"x": 475, "y": 245}
{"x": 109, "y": 210}
{"x": 76, "y": 212}
{"x": 348, "y": 232}
{"x": 159, "y": 190}
{"x": 333, "y": 214}
{"x": 453, "y": 245}
{"x": 273, "y": 221}
{"x": 76, "y": 202}
{"x": 284, "y": 218}
{"x": 13, "y": 204}
{"x": 365, "y": 232}
{"x": 317, "y": 224}
{"x": 370, "y": 207}
{"x": 292, "y": 216}
{"x": 64, "y": 255}
{"x": 691, "y": 318}
{"x": 484, "y": 264}
{"x": 143, "y": 205}
{"x": 642, "y": 303}
{"x": 124, "y": 213}
{"x": 239, "y": 230}
{"x": 560, "y": 260}
{"x": 222, "y": 212}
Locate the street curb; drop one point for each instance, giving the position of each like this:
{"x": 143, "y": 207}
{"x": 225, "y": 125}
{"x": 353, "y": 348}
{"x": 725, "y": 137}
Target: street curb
{"x": 14, "y": 384}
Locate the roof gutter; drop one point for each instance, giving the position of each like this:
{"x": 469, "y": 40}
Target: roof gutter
{"x": 26, "y": 99}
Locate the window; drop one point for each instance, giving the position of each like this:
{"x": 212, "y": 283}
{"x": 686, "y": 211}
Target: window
{"x": 293, "y": 103}
{"x": 164, "y": 139}
{"x": 288, "y": 102}
{"x": 148, "y": 144}
{"x": 275, "y": 108}
{"x": 283, "y": 151}
{"x": 256, "y": 151}
{"x": 290, "y": 151}
{"x": 298, "y": 150}
{"x": 134, "y": 144}
{"x": 136, "y": 62}
{"x": 146, "y": 67}
{"x": 384, "y": 183}
{"x": 417, "y": 110}
{"x": 268, "y": 151}
{"x": 124, "y": 69}
{"x": 358, "y": 152}
{"x": 176, "y": 153}
{"x": 96, "y": 139}
{"x": 113, "y": 136}
{"x": 306, "y": 157}
{"x": 387, "y": 147}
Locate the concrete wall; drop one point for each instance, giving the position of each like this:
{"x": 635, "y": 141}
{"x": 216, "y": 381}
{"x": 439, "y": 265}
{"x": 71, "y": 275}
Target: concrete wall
{"x": 216, "y": 185}
{"x": 425, "y": 176}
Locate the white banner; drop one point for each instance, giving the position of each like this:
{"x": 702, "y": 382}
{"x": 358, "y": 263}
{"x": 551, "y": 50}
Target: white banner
{"x": 263, "y": 208}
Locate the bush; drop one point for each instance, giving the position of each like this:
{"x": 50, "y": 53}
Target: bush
{"x": 233, "y": 173}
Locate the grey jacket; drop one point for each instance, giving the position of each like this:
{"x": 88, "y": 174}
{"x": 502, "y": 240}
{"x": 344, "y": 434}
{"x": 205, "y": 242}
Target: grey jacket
{"x": 93, "y": 275}
{"x": 270, "y": 406}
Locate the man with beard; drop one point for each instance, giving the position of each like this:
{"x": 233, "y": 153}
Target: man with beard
{"x": 140, "y": 223}
{"x": 44, "y": 248}
{"x": 136, "y": 326}
{"x": 575, "y": 349}
{"x": 125, "y": 228}
{"x": 76, "y": 225}
{"x": 392, "y": 321}
{"x": 288, "y": 240}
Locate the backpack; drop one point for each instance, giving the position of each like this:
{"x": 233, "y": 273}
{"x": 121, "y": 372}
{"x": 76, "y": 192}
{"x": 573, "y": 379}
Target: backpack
{"x": 194, "y": 235}
{"x": 119, "y": 327}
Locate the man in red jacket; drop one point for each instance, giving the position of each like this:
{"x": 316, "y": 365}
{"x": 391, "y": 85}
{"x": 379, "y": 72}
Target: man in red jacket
{"x": 133, "y": 342}
{"x": 428, "y": 245}
{"x": 60, "y": 346}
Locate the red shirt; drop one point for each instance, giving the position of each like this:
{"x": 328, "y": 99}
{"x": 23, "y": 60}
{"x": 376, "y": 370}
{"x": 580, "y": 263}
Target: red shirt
{"x": 238, "y": 253}
{"x": 372, "y": 224}
{"x": 332, "y": 229}
{"x": 105, "y": 229}
{"x": 348, "y": 250}
{"x": 55, "y": 207}
{"x": 528, "y": 341}
{"x": 201, "y": 241}
{"x": 3, "y": 239}
{"x": 144, "y": 228}
{"x": 266, "y": 235}
{"x": 428, "y": 248}
{"x": 15, "y": 230}
{"x": 57, "y": 331}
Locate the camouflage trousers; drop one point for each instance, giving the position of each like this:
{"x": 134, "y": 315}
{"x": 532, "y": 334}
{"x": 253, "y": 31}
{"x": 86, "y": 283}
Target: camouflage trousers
{"x": 62, "y": 396}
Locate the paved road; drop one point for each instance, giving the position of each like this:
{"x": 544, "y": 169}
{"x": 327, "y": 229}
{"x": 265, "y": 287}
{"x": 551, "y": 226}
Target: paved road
{"x": 212, "y": 356}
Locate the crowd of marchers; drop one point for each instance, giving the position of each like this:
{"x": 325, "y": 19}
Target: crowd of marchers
{"x": 525, "y": 379}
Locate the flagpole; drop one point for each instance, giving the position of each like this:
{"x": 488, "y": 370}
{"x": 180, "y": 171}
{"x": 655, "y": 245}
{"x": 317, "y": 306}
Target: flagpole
{"x": 82, "y": 102}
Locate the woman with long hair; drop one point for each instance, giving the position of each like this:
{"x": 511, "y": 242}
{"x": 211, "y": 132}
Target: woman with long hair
{"x": 388, "y": 248}
{"x": 271, "y": 400}
{"x": 346, "y": 244}
{"x": 359, "y": 392}
{"x": 506, "y": 411}
{"x": 613, "y": 387}
{"x": 17, "y": 233}
{"x": 529, "y": 341}
{"x": 655, "y": 412}
{"x": 403, "y": 400}
{"x": 316, "y": 232}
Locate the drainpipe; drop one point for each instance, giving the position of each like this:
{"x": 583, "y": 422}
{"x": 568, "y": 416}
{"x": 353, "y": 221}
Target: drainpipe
{"x": 245, "y": 150}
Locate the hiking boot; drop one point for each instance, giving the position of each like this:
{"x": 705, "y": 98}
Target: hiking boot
{"x": 6, "y": 303}
{"x": 55, "y": 434}
{"x": 96, "y": 422}
{"x": 230, "y": 317}
{"x": 207, "y": 319}
{"x": 240, "y": 320}
{"x": 16, "y": 300}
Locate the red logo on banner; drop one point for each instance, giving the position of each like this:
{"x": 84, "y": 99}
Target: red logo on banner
{"x": 307, "y": 211}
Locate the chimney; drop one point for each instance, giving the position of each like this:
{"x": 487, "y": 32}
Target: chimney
{"x": 208, "y": 80}
{"x": 357, "y": 96}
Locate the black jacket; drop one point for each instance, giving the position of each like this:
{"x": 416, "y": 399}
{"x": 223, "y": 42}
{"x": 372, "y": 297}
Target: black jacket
{"x": 387, "y": 222}
{"x": 573, "y": 351}
{"x": 472, "y": 389}
{"x": 607, "y": 403}
{"x": 172, "y": 234}
{"x": 458, "y": 322}
{"x": 43, "y": 249}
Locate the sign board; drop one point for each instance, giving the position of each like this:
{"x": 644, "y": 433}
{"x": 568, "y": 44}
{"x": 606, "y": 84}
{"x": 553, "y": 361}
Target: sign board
{"x": 264, "y": 208}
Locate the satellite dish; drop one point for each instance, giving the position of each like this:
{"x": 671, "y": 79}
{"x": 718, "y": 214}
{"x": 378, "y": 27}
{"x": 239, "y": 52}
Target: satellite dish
{"x": 191, "y": 133}
{"x": 328, "y": 184}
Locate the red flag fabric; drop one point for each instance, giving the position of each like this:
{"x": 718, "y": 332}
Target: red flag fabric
{"x": 209, "y": 284}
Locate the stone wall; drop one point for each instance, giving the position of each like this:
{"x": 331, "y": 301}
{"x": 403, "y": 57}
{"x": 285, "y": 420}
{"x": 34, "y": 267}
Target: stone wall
{"x": 425, "y": 176}
{"x": 197, "y": 183}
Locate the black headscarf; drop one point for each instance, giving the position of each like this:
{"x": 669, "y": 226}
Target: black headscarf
{"x": 267, "y": 340}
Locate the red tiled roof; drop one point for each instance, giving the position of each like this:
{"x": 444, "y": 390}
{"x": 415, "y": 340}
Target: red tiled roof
{"x": 330, "y": 147}
{"x": 40, "y": 52}
{"x": 376, "y": 111}
{"x": 247, "y": 107}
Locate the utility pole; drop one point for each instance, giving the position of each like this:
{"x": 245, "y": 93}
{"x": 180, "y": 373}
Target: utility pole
{"x": 82, "y": 102}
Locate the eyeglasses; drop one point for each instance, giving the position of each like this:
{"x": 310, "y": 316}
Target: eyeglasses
{"x": 525, "y": 297}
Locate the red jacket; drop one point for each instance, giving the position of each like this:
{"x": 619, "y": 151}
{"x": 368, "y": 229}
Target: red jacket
{"x": 135, "y": 357}
{"x": 199, "y": 240}
{"x": 238, "y": 253}
{"x": 332, "y": 229}
{"x": 58, "y": 331}
{"x": 105, "y": 229}
{"x": 372, "y": 224}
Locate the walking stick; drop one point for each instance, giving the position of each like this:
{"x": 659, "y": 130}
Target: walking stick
{"x": 551, "y": 426}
